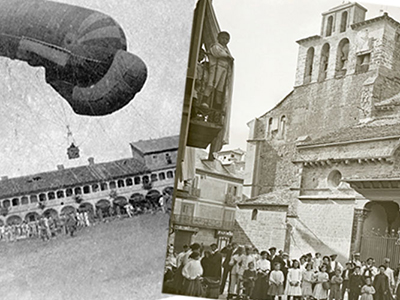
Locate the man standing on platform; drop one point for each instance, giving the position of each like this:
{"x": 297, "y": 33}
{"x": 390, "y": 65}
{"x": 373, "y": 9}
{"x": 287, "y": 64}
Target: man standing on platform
{"x": 220, "y": 71}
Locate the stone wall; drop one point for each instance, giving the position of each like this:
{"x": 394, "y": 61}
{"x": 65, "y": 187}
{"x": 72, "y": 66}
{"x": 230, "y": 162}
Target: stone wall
{"x": 322, "y": 226}
{"x": 268, "y": 230}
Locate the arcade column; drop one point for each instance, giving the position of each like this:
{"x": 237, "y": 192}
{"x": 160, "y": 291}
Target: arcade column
{"x": 360, "y": 214}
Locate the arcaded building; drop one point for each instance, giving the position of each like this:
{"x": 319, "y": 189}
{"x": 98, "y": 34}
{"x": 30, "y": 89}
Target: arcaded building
{"x": 149, "y": 173}
{"x": 322, "y": 168}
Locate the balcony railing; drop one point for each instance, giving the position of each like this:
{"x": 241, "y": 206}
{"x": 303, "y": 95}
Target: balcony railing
{"x": 202, "y": 222}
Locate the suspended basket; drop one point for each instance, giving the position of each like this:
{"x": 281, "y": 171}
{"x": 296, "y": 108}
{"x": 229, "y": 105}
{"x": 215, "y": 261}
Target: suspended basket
{"x": 41, "y": 205}
{"x": 73, "y": 151}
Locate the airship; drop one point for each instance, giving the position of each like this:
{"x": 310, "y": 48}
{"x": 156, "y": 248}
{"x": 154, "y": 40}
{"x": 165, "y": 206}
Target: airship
{"x": 84, "y": 53}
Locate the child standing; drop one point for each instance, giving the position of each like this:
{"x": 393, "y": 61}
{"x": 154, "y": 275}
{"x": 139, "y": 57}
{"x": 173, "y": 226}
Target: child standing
{"x": 276, "y": 280}
{"x": 336, "y": 281}
{"x": 317, "y": 261}
{"x": 319, "y": 291}
{"x": 249, "y": 278}
{"x": 367, "y": 290}
{"x": 294, "y": 277}
{"x": 308, "y": 279}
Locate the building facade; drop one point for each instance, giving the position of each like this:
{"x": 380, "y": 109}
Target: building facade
{"x": 94, "y": 186}
{"x": 203, "y": 208}
{"x": 204, "y": 212}
{"x": 313, "y": 160}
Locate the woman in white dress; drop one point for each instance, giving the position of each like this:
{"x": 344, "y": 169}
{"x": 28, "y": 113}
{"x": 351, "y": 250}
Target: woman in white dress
{"x": 294, "y": 277}
{"x": 319, "y": 291}
{"x": 192, "y": 273}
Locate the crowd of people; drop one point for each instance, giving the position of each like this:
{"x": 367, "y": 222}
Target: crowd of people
{"x": 265, "y": 275}
{"x": 49, "y": 226}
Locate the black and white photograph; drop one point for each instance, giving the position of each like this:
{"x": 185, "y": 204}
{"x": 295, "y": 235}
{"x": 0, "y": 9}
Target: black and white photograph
{"x": 91, "y": 104}
{"x": 288, "y": 172}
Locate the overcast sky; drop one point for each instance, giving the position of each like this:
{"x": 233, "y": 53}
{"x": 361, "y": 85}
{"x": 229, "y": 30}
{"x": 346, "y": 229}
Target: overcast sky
{"x": 263, "y": 35}
{"x": 33, "y": 117}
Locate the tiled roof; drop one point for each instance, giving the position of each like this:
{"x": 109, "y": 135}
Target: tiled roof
{"x": 356, "y": 133}
{"x": 69, "y": 177}
{"x": 157, "y": 145}
{"x": 214, "y": 166}
{"x": 237, "y": 150}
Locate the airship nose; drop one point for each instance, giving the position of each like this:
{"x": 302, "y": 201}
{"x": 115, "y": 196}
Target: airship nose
{"x": 125, "y": 77}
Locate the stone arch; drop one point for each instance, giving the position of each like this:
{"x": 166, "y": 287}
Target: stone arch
{"x": 168, "y": 190}
{"x": 121, "y": 183}
{"x": 6, "y": 203}
{"x": 269, "y": 129}
{"x": 15, "y": 201}
{"x": 31, "y": 216}
{"x": 137, "y": 199}
{"x": 42, "y": 197}
{"x": 329, "y": 26}
{"x": 342, "y": 56}
{"x": 254, "y": 215}
{"x": 343, "y": 21}
{"x": 14, "y": 219}
{"x": 152, "y": 197}
{"x": 67, "y": 210}
{"x": 324, "y": 62}
{"x": 86, "y": 206}
{"x": 309, "y": 65}
{"x": 282, "y": 126}
{"x": 103, "y": 208}
{"x": 382, "y": 216}
{"x": 120, "y": 201}
{"x": 24, "y": 200}
{"x": 50, "y": 212}
{"x": 395, "y": 157}
{"x": 103, "y": 203}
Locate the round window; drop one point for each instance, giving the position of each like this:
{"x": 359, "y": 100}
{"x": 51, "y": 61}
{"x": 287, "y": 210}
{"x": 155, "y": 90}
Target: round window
{"x": 334, "y": 178}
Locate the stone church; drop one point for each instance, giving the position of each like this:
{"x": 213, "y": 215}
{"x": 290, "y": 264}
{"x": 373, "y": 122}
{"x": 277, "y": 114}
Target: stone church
{"x": 323, "y": 166}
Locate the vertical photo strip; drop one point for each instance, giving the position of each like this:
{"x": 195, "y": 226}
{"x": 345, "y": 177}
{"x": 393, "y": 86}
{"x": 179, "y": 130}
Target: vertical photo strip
{"x": 91, "y": 103}
{"x": 287, "y": 183}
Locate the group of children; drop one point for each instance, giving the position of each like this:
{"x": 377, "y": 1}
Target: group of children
{"x": 309, "y": 279}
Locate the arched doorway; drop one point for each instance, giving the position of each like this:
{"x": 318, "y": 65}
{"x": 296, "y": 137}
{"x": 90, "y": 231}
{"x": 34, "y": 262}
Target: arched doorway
{"x": 380, "y": 231}
{"x": 86, "y": 206}
{"x": 119, "y": 204}
{"x": 168, "y": 190}
{"x": 103, "y": 206}
{"x": 152, "y": 197}
{"x": 138, "y": 202}
{"x": 13, "y": 220}
{"x": 32, "y": 216}
{"x": 66, "y": 210}
{"x": 50, "y": 212}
